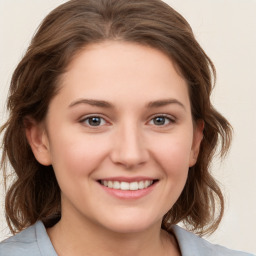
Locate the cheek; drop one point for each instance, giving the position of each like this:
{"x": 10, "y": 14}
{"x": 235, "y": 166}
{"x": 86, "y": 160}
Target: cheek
{"x": 173, "y": 154}
{"x": 172, "y": 157}
{"x": 175, "y": 163}
{"x": 77, "y": 154}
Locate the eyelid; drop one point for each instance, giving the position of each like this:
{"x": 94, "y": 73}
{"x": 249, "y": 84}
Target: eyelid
{"x": 171, "y": 118}
{"x": 85, "y": 117}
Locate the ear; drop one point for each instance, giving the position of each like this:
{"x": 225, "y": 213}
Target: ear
{"x": 38, "y": 140}
{"x": 197, "y": 138}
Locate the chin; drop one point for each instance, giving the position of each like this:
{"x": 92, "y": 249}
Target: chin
{"x": 131, "y": 224}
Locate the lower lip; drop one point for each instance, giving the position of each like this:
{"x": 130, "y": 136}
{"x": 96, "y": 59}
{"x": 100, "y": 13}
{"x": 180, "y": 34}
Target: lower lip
{"x": 129, "y": 194}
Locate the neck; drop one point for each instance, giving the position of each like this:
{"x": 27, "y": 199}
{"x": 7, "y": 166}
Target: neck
{"x": 81, "y": 237}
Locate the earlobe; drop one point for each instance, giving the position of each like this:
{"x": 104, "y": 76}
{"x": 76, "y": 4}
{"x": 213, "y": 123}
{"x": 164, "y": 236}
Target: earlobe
{"x": 197, "y": 138}
{"x": 38, "y": 141}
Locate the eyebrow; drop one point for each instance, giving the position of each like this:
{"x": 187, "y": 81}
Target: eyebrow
{"x": 164, "y": 102}
{"x": 96, "y": 103}
{"x": 105, "y": 104}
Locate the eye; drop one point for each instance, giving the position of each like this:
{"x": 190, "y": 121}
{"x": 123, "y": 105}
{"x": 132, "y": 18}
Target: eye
{"x": 161, "y": 120}
{"x": 94, "y": 121}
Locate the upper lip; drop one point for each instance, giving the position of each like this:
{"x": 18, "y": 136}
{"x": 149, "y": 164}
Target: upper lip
{"x": 128, "y": 179}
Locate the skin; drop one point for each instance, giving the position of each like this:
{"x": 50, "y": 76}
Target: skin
{"x": 144, "y": 130}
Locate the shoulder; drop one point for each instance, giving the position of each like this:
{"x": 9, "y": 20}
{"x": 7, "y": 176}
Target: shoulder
{"x": 32, "y": 241}
{"x": 192, "y": 245}
{"x": 24, "y": 243}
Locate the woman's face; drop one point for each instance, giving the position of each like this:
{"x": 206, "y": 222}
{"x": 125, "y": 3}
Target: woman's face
{"x": 120, "y": 136}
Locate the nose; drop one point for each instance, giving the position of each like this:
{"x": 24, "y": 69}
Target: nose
{"x": 129, "y": 149}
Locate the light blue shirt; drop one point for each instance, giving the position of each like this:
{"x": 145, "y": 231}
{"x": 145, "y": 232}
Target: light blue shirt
{"x": 34, "y": 241}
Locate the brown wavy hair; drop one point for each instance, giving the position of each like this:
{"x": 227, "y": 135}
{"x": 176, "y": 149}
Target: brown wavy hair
{"x": 34, "y": 194}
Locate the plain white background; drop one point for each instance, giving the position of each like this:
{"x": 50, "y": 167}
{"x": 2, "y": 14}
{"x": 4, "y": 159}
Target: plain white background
{"x": 226, "y": 29}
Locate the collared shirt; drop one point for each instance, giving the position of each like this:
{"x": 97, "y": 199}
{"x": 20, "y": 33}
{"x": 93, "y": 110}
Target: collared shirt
{"x": 34, "y": 241}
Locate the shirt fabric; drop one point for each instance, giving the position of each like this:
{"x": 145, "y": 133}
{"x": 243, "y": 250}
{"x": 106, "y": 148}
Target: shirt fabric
{"x": 34, "y": 241}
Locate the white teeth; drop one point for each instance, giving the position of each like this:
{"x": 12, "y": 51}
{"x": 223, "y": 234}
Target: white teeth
{"x": 141, "y": 185}
{"x": 116, "y": 185}
{"x": 134, "y": 186}
{"x": 147, "y": 183}
{"x": 127, "y": 185}
{"x": 110, "y": 184}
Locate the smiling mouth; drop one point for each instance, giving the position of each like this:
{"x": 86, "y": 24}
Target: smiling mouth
{"x": 123, "y": 185}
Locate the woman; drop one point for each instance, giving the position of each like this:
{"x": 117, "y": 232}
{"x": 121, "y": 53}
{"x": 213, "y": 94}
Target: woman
{"x": 111, "y": 133}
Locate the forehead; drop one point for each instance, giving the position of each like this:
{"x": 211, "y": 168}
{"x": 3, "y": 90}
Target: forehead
{"x": 114, "y": 70}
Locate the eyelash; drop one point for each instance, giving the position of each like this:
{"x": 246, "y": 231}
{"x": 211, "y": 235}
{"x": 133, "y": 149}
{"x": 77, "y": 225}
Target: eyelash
{"x": 87, "y": 120}
{"x": 168, "y": 118}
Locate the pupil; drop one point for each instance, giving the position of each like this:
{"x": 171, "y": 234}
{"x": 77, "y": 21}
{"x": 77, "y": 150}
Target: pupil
{"x": 94, "y": 121}
{"x": 159, "y": 120}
